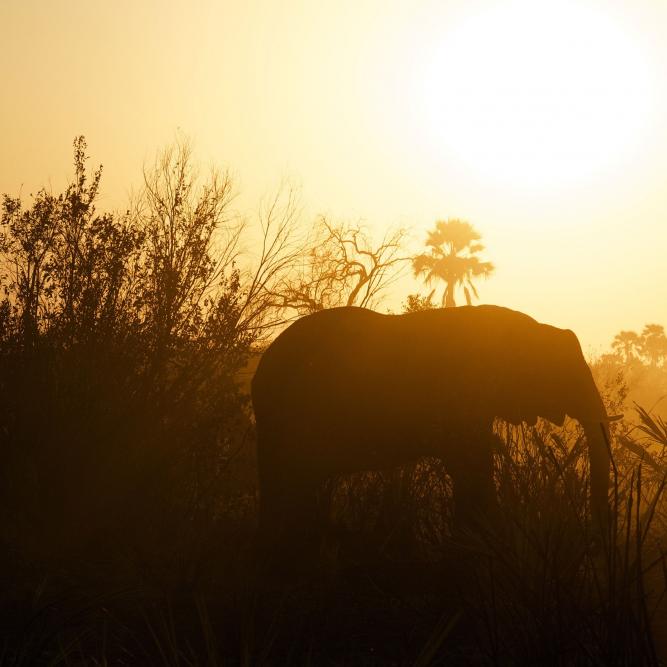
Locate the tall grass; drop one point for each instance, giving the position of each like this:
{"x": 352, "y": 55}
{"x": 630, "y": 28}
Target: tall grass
{"x": 540, "y": 584}
{"x": 550, "y": 589}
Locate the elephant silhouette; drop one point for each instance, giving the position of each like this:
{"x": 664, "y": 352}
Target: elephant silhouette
{"x": 349, "y": 389}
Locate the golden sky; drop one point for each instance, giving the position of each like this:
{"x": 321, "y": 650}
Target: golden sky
{"x": 543, "y": 123}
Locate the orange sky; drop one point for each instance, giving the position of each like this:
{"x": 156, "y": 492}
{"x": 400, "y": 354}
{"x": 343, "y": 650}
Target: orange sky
{"x": 543, "y": 123}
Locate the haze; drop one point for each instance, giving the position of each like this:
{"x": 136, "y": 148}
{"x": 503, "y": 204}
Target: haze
{"x": 541, "y": 123}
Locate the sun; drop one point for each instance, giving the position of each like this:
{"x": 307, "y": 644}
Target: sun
{"x": 534, "y": 94}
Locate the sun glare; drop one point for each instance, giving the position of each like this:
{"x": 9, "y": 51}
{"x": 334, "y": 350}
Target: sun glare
{"x": 534, "y": 95}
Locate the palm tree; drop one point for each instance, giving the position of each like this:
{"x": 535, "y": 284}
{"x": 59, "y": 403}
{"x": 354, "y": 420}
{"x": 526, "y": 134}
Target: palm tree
{"x": 654, "y": 343}
{"x": 626, "y": 342}
{"x": 453, "y": 259}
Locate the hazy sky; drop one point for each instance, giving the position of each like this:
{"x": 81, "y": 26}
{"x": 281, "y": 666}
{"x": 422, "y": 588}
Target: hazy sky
{"x": 543, "y": 123}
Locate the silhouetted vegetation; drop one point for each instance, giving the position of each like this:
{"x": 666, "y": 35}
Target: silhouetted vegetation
{"x": 453, "y": 258}
{"x": 128, "y": 475}
{"x": 122, "y": 339}
{"x": 342, "y": 267}
{"x": 639, "y": 361}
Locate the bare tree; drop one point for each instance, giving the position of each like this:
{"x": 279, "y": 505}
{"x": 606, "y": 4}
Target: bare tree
{"x": 343, "y": 267}
{"x": 210, "y": 270}
{"x": 281, "y": 247}
{"x": 192, "y": 242}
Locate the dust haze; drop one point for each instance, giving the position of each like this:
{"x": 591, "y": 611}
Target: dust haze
{"x": 347, "y": 355}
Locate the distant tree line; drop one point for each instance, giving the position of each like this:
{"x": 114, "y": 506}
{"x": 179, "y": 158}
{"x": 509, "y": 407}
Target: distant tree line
{"x": 635, "y": 370}
{"x": 649, "y": 346}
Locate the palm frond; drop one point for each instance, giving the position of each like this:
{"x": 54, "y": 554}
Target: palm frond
{"x": 654, "y": 427}
{"x": 453, "y": 259}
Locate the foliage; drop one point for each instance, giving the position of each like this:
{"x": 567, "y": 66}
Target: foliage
{"x": 639, "y": 361}
{"x": 649, "y": 347}
{"x": 415, "y": 303}
{"x": 625, "y": 343}
{"x": 453, "y": 258}
{"x": 124, "y": 334}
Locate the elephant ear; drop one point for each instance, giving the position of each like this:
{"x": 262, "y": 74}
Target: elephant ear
{"x": 564, "y": 384}
{"x": 544, "y": 374}
{"x": 517, "y": 369}
{"x": 578, "y": 390}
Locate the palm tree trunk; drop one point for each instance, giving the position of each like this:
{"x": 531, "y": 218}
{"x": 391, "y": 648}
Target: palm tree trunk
{"x": 448, "y": 296}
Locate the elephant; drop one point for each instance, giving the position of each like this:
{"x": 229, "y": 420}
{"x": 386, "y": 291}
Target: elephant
{"x": 349, "y": 389}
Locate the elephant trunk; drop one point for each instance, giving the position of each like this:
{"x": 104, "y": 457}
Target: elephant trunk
{"x": 587, "y": 406}
{"x": 597, "y": 438}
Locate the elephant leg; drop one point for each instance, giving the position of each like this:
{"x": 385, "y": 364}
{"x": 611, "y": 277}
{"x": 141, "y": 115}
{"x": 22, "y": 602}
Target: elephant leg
{"x": 288, "y": 513}
{"x": 475, "y": 499}
{"x": 289, "y": 528}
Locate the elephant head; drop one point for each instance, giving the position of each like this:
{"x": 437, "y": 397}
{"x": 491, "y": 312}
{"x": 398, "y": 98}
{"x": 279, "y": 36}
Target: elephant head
{"x": 547, "y": 376}
{"x": 349, "y": 389}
